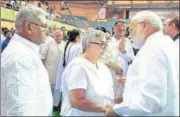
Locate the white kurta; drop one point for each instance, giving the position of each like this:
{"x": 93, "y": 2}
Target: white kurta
{"x": 25, "y": 88}
{"x": 152, "y": 85}
{"x": 177, "y": 43}
{"x": 81, "y": 73}
{"x": 73, "y": 50}
{"x": 50, "y": 54}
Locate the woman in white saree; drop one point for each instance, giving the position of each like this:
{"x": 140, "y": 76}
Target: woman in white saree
{"x": 87, "y": 85}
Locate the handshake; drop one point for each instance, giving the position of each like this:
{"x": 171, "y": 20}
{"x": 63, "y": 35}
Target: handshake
{"x": 109, "y": 111}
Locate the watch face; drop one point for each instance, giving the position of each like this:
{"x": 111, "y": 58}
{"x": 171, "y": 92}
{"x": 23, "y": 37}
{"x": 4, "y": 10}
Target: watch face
{"x": 124, "y": 51}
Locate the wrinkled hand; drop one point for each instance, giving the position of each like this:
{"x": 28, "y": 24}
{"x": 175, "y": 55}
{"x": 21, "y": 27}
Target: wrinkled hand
{"x": 122, "y": 45}
{"x": 109, "y": 111}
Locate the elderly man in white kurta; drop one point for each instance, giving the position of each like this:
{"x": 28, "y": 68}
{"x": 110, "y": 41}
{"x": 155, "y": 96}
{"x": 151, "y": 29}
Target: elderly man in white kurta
{"x": 152, "y": 81}
{"x": 25, "y": 88}
{"x": 87, "y": 85}
{"x": 50, "y": 56}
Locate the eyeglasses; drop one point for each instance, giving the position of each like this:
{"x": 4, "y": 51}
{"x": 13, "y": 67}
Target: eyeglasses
{"x": 43, "y": 26}
{"x": 103, "y": 45}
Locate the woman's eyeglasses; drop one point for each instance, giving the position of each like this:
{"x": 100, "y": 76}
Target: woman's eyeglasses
{"x": 103, "y": 44}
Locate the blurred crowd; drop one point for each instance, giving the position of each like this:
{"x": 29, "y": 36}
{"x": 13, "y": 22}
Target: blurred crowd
{"x": 132, "y": 70}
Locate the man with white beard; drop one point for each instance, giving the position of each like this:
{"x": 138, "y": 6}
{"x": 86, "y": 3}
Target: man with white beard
{"x": 152, "y": 81}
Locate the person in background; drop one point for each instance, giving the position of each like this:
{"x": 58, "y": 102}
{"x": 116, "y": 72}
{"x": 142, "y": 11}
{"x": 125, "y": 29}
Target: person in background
{"x": 8, "y": 36}
{"x": 25, "y": 87}
{"x": 13, "y": 31}
{"x": 102, "y": 29}
{"x": 172, "y": 27}
{"x": 152, "y": 81}
{"x": 112, "y": 31}
{"x": 111, "y": 61}
{"x": 73, "y": 48}
{"x": 122, "y": 45}
{"x": 64, "y": 33}
{"x": 50, "y": 55}
{"x": 3, "y": 37}
{"x": 87, "y": 85}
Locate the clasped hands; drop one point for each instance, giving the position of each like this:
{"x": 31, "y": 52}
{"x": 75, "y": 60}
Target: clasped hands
{"x": 109, "y": 111}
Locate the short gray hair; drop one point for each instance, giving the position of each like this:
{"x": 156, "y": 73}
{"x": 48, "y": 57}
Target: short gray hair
{"x": 153, "y": 18}
{"x": 29, "y": 13}
{"x": 91, "y": 35}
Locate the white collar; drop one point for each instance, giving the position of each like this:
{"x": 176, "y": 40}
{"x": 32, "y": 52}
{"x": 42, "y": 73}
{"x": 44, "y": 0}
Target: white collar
{"x": 114, "y": 37}
{"x": 154, "y": 35}
{"x": 26, "y": 42}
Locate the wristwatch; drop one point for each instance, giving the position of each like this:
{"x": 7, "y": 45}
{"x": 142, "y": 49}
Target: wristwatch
{"x": 124, "y": 52}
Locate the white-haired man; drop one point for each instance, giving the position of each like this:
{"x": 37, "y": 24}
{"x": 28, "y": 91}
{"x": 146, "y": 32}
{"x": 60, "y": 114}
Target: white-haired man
{"x": 50, "y": 55}
{"x": 25, "y": 88}
{"x": 152, "y": 81}
{"x": 172, "y": 28}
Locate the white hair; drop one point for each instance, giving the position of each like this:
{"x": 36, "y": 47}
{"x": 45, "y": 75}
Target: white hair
{"x": 91, "y": 35}
{"x": 29, "y": 13}
{"x": 154, "y": 20}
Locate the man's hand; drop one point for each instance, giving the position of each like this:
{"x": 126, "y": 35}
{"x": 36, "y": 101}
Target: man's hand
{"x": 122, "y": 45}
{"x": 110, "y": 112}
{"x": 121, "y": 81}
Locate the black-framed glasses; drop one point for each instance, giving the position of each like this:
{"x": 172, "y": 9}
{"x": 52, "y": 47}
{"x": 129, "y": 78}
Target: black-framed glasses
{"x": 43, "y": 26}
{"x": 103, "y": 44}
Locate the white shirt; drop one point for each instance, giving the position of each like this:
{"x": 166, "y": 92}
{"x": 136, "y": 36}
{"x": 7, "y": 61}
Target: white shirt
{"x": 50, "y": 54}
{"x": 81, "y": 73}
{"x": 62, "y": 45}
{"x": 152, "y": 85}
{"x": 177, "y": 42}
{"x": 61, "y": 48}
{"x": 124, "y": 57}
{"x": 73, "y": 50}
{"x": 25, "y": 88}
{"x": 2, "y": 38}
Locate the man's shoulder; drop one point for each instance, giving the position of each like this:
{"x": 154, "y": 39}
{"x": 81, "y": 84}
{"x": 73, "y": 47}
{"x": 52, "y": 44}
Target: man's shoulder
{"x": 49, "y": 40}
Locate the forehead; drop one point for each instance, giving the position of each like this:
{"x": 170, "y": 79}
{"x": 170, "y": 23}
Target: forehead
{"x": 167, "y": 21}
{"x": 58, "y": 32}
{"x": 8, "y": 32}
{"x": 120, "y": 24}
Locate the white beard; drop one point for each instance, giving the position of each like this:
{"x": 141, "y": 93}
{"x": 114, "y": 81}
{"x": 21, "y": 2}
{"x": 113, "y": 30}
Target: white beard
{"x": 138, "y": 40}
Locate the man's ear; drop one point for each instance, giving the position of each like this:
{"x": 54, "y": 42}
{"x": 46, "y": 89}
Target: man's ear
{"x": 28, "y": 27}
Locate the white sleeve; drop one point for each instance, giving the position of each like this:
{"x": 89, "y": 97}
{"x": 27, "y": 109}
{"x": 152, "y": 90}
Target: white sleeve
{"x": 145, "y": 90}
{"x": 177, "y": 42}
{"x": 21, "y": 87}
{"x": 74, "y": 52}
{"x": 129, "y": 55}
{"x": 76, "y": 78}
